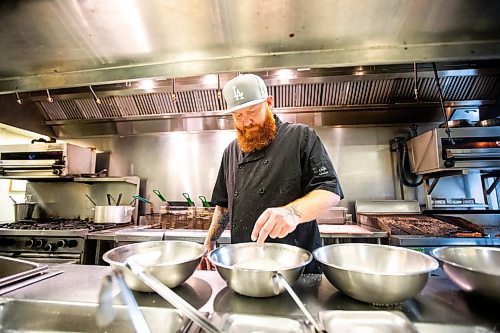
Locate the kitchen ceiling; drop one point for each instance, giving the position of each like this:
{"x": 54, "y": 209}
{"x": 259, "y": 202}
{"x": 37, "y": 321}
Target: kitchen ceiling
{"x": 360, "y": 55}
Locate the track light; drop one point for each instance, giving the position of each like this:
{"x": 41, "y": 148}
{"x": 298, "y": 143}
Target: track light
{"x": 173, "y": 97}
{"x": 18, "y": 99}
{"x": 96, "y": 99}
{"x": 49, "y": 99}
{"x": 219, "y": 91}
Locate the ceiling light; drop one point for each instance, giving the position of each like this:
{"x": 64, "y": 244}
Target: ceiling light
{"x": 147, "y": 85}
{"x": 219, "y": 91}
{"x": 210, "y": 79}
{"x": 173, "y": 97}
{"x": 303, "y": 69}
{"x": 285, "y": 74}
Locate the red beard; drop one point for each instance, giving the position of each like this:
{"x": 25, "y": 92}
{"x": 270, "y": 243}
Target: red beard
{"x": 255, "y": 138}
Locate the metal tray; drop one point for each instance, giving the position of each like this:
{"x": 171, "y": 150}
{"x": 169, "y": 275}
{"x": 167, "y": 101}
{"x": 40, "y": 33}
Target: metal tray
{"x": 14, "y": 270}
{"x": 58, "y": 316}
{"x": 243, "y": 323}
{"x": 366, "y": 321}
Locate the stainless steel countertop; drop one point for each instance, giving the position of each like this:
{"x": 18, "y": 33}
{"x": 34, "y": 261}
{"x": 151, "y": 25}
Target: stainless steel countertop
{"x": 439, "y": 302}
{"x": 143, "y": 233}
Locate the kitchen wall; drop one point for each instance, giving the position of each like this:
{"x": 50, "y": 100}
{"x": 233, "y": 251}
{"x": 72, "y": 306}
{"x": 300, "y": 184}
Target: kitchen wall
{"x": 178, "y": 162}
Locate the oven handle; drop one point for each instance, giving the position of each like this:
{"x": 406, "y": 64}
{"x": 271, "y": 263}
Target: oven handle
{"x": 472, "y": 153}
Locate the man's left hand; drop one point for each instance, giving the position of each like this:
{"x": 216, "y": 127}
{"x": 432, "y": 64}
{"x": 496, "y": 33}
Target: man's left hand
{"x": 275, "y": 222}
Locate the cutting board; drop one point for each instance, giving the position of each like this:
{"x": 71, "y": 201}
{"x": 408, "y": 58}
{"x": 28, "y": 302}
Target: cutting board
{"x": 343, "y": 229}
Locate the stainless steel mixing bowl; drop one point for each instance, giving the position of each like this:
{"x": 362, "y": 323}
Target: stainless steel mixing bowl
{"x": 249, "y": 268}
{"x": 378, "y": 274}
{"x": 474, "y": 269}
{"x": 171, "y": 262}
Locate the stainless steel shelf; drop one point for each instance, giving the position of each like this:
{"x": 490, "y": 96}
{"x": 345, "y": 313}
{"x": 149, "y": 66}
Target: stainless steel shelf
{"x": 131, "y": 179}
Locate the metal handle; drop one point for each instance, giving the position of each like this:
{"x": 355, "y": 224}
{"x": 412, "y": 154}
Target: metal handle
{"x": 472, "y": 153}
{"x": 134, "y": 312}
{"x": 187, "y": 309}
{"x": 105, "y": 311}
{"x": 158, "y": 193}
{"x": 277, "y": 278}
{"x": 188, "y": 199}
{"x": 204, "y": 201}
{"x": 138, "y": 197}
{"x": 90, "y": 199}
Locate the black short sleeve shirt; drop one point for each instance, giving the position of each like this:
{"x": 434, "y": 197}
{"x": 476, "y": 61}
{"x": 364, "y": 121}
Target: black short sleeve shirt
{"x": 294, "y": 164}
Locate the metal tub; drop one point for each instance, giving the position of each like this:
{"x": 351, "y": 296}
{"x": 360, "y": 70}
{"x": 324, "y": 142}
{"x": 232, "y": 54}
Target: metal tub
{"x": 474, "y": 269}
{"x": 249, "y": 268}
{"x": 377, "y": 274}
{"x": 171, "y": 262}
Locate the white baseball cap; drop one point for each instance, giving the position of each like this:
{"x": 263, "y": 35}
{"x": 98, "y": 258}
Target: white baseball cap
{"x": 243, "y": 91}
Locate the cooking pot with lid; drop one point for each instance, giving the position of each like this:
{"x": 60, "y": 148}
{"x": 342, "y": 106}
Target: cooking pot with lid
{"x": 113, "y": 214}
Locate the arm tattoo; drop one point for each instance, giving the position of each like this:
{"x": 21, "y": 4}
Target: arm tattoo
{"x": 222, "y": 221}
{"x": 293, "y": 211}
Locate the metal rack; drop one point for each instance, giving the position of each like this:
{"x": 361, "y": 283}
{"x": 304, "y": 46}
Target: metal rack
{"x": 464, "y": 203}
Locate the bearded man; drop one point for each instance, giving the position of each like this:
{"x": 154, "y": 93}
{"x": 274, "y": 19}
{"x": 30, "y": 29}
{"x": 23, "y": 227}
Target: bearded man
{"x": 274, "y": 179}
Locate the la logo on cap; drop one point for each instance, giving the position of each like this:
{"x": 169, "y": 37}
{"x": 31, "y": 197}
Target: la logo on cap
{"x": 238, "y": 95}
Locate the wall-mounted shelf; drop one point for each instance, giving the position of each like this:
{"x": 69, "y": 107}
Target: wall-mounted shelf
{"x": 129, "y": 179}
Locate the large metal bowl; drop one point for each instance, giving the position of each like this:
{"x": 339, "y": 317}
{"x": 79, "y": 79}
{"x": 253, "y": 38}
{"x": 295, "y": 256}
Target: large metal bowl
{"x": 474, "y": 269}
{"x": 249, "y": 268}
{"x": 171, "y": 262}
{"x": 377, "y": 274}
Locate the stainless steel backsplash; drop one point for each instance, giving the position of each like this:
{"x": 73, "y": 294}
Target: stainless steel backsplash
{"x": 178, "y": 162}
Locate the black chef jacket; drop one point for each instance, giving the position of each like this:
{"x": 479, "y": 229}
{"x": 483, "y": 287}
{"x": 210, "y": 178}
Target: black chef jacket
{"x": 294, "y": 164}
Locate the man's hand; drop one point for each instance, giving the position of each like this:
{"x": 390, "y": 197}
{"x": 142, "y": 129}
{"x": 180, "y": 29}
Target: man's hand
{"x": 205, "y": 264}
{"x": 275, "y": 222}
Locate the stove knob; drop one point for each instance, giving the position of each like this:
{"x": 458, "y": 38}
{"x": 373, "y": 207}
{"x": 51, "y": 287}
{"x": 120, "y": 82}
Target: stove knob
{"x": 50, "y": 247}
{"x": 39, "y": 243}
{"x": 29, "y": 243}
{"x": 72, "y": 243}
{"x": 61, "y": 243}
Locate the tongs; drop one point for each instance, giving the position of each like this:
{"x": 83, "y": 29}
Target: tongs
{"x": 187, "y": 309}
{"x": 106, "y": 313}
{"x": 279, "y": 278}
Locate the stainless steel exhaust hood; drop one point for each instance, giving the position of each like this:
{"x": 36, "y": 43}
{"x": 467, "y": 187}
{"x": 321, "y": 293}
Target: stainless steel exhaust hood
{"x": 360, "y": 55}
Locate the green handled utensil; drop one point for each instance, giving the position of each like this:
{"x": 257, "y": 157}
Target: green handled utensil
{"x": 188, "y": 199}
{"x": 204, "y": 201}
{"x": 158, "y": 193}
{"x": 138, "y": 197}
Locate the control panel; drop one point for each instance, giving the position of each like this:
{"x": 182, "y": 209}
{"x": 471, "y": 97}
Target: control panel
{"x": 42, "y": 244}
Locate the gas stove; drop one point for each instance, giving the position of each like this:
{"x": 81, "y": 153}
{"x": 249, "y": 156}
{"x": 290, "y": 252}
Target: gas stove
{"x": 49, "y": 240}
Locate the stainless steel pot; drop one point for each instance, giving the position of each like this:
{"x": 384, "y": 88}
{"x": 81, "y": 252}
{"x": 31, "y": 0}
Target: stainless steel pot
{"x": 249, "y": 268}
{"x": 113, "y": 214}
{"x": 171, "y": 262}
{"x": 378, "y": 274}
{"x": 24, "y": 211}
{"x": 474, "y": 269}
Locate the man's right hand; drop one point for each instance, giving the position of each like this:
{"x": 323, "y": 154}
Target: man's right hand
{"x": 205, "y": 264}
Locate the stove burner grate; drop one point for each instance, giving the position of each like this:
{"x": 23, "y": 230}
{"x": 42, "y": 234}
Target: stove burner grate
{"x": 58, "y": 224}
